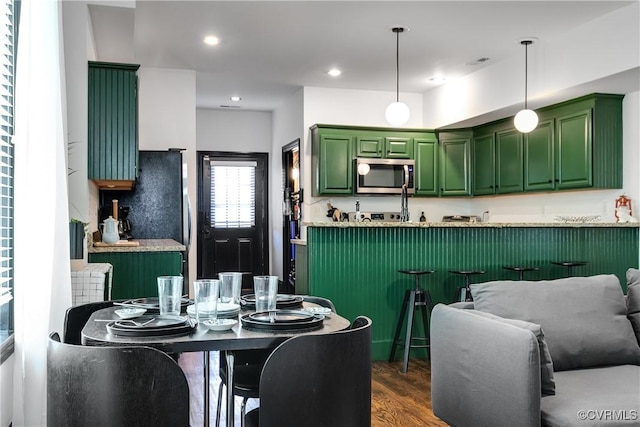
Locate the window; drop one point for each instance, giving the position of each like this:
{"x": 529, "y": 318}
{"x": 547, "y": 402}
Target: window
{"x": 7, "y": 72}
{"x": 233, "y": 194}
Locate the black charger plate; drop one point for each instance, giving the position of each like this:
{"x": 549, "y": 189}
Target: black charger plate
{"x": 284, "y": 320}
{"x": 282, "y": 301}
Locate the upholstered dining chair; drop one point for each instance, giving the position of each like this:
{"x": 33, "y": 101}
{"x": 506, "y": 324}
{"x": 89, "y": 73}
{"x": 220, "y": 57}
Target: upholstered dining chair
{"x": 114, "y": 386}
{"x": 318, "y": 381}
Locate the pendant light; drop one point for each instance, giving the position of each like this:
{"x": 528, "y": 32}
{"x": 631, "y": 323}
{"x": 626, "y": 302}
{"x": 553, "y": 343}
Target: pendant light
{"x": 526, "y": 120}
{"x": 397, "y": 113}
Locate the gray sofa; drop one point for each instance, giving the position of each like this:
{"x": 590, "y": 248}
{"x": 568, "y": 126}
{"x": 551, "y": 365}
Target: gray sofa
{"x": 562, "y": 352}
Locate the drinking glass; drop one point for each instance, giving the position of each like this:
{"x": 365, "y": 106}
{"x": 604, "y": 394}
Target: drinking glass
{"x": 206, "y": 298}
{"x": 169, "y": 294}
{"x": 266, "y": 291}
{"x": 230, "y": 286}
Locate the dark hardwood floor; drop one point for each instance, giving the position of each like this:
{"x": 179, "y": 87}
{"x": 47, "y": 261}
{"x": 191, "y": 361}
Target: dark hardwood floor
{"x": 402, "y": 400}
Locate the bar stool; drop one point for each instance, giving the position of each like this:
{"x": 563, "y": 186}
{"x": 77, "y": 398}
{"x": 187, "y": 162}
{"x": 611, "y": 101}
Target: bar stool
{"x": 413, "y": 299}
{"x": 465, "y": 291}
{"x": 570, "y": 265}
{"x": 520, "y": 269}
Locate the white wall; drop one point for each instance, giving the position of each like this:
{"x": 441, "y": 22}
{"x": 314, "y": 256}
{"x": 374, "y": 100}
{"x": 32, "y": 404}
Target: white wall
{"x": 557, "y": 68}
{"x": 287, "y": 127}
{"x": 167, "y": 119}
{"x": 239, "y": 131}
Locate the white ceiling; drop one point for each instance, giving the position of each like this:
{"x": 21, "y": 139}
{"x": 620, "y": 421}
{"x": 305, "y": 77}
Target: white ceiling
{"x": 270, "y": 49}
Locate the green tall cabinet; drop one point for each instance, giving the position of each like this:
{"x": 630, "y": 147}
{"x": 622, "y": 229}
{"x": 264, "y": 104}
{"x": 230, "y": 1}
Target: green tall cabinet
{"x": 112, "y": 122}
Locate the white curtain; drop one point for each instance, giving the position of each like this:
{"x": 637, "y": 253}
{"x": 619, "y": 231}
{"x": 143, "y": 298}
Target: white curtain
{"x": 42, "y": 266}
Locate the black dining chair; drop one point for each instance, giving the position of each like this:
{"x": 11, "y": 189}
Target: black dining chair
{"x": 114, "y": 386}
{"x": 76, "y": 317}
{"x": 318, "y": 381}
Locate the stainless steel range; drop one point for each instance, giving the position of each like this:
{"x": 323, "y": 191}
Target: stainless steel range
{"x": 375, "y": 216}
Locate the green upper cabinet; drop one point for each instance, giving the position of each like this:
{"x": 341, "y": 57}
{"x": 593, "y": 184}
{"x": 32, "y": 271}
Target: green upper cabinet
{"x": 112, "y": 124}
{"x": 484, "y": 166}
{"x": 455, "y": 153}
{"x": 426, "y": 171}
{"x": 574, "y": 152}
{"x": 335, "y": 148}
{"x": 384, "y": 147}
{"x": 333, "y": 163}
{"x": 539, "y": 165}
{"x": 508, "y": 161}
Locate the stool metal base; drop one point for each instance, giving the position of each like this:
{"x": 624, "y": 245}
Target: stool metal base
{"x": 570, "y": 265}
{"x": 413, "y": 299}
{"x": 520, "y": 270}
{"x": 465, "y": 291}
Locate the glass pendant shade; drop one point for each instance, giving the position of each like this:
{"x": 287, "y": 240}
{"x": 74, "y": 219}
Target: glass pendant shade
{"x": 397, "y": 113}
{"x": 526, "y": 120}
{"x": 363, "y": 169}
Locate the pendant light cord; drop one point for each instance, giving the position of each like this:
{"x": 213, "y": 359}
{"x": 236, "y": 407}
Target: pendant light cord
{"x": 397, "y": 31}
{"x": 526, "y": 68}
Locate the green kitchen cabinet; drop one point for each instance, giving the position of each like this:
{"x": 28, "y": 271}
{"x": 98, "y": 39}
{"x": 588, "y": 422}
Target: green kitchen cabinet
{"x": 135, "y": 273}
{"x": 385, "y": 147}
{"x": 112, "y": 124}
{"x": 454, "y": 162}
{"x": 508, "y": 162}
{"x": 587, "y": 140}
{"x": 484, "y": 164}
{"x": 332, "y": 159}
{"x": 426, "y": 170}
{"x": 539, "y": 165}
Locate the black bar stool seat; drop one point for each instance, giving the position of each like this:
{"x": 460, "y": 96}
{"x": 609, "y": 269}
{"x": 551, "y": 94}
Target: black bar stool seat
{"x": 570, "y": 265}
{"x": 465, "y": 291}
{"x": 413, "y": 299}
{"x": 520, "y": 269}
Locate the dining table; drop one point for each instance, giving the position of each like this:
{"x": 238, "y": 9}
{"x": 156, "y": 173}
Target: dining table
{"x": 201, "y": 339}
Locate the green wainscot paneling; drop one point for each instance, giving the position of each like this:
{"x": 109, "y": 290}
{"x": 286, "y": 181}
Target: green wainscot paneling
{"x": 357, "y": 267}
{"x": 135, "y": 273}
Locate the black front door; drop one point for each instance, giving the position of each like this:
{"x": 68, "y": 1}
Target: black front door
{"x": 233, "y": 215}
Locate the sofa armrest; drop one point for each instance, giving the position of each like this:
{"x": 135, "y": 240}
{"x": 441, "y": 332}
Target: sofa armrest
{"x": 483, "y": 372}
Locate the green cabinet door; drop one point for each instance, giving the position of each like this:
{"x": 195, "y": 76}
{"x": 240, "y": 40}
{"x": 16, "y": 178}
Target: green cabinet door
{"x": 426, "y": 170}
{"x": 539, "y": 165}
{"x": 508, "y": 161}
{"x": 112, "y": 122}
{"x": 398, "y": 147}
{"x": 135, "y": 273}
{"x": 454, "y": 166}
{"x": 574, "y": 150}
{"x": 369, "y": 146}
{"x": 335, "y": 164}
{"x": 484, "y": 167}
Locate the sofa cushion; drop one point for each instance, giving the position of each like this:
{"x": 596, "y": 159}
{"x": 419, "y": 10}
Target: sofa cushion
{"x": 607, "y": 396}
{"x": 633, "y": 300}
{"x": 547, "y": 384}
{"x": 584, "y": 318}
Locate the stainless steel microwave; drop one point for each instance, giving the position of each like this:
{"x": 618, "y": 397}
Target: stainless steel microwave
{"x": 384, "y": 176}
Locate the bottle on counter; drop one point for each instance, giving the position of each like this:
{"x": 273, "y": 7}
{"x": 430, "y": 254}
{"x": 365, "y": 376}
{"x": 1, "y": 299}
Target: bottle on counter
{"x": 423, "y": 218}
{"x": 357, "y": 210}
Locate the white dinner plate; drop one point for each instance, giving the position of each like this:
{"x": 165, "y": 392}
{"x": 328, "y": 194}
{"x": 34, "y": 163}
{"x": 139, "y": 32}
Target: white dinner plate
{"x": 130, "y": 313}
{"x": 219, "y": 324}
{"x": 318, "y": 310}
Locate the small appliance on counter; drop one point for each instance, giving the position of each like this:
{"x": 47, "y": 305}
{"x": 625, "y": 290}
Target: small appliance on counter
{"x": 461, "y": 218}
{"x": 374, "y": 217}
{"x": 124, "y": 224}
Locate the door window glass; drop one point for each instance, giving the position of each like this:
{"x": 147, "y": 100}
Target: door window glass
{"x": 233, "y": 194}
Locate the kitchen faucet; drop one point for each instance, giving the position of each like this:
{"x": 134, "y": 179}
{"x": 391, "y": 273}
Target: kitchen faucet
{"x": 404, "y": 204}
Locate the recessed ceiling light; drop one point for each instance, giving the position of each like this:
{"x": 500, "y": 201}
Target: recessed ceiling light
{"x": 437, "y": 79}
{"x": 334, "y": 72}
{"x": 235, "y": 98}
{"x": 211, "y": 40}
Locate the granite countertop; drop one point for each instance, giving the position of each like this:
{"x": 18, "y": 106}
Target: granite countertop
{"x": 412, "y": 224}
{"x": 145, "y": 245}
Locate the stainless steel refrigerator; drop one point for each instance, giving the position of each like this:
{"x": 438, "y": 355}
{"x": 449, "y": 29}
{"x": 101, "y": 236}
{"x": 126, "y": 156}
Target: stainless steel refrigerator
{"x": 159, "y": 203}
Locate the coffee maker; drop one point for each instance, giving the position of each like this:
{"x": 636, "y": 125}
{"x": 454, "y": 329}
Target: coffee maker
{"x": 124, "y": 224}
